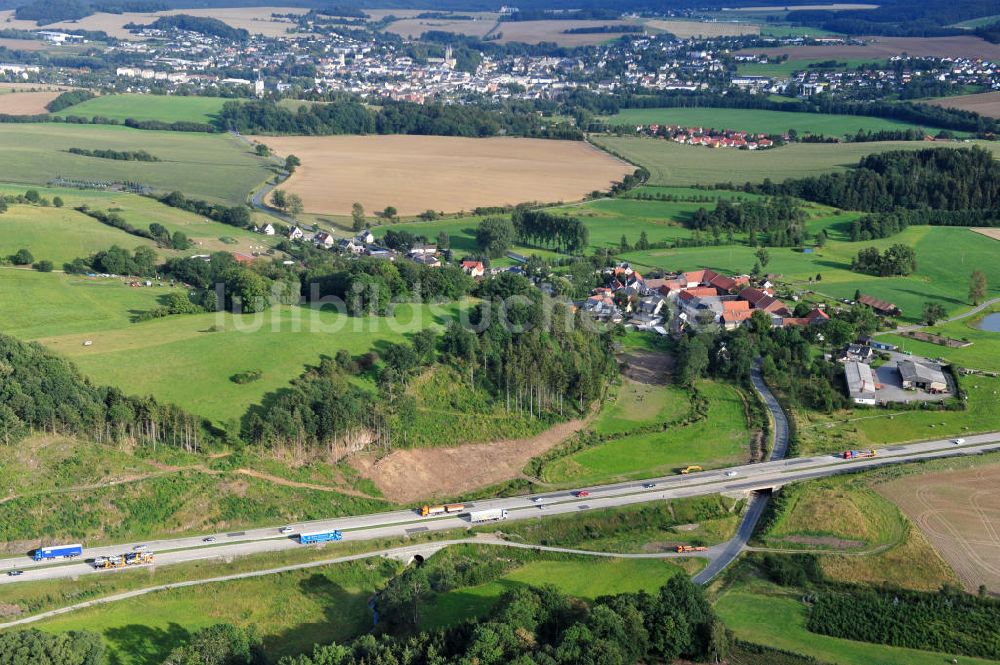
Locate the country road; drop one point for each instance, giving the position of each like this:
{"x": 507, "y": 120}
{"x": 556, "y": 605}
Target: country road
{"x": 958, "y": 317}
{"x": 402, "y": 523}
{"x": 731, "y": 549}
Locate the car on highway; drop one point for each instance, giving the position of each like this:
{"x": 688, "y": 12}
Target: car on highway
{"x": 730, "y": 474}
{"x": 649, "y": 486}
{"x": 537, "y": 499}
{"x": 958, "y": 442}
{"x": 140, "y": 548}
{"x": 14, "y": 573}
{"x": 285, "y": 529}
{"x": 208, "y": 539}
{"x": 581, "y": 493}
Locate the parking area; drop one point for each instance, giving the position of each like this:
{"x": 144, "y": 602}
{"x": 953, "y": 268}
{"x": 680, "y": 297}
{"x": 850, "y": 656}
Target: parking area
{"x": 891, "y": 383}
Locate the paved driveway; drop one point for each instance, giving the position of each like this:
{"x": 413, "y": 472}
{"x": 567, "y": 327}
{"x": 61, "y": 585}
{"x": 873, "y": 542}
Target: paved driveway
{"x": 892, "y": 385}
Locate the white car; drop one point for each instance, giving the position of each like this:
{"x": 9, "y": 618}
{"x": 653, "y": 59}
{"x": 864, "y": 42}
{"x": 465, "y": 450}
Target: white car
{"x": 285, "y": 529}
{"x": 958, "y": 442}
{"x": 730, "y": 474}
{"x": 537, "y": 499}
{"x": 140, "y": 548}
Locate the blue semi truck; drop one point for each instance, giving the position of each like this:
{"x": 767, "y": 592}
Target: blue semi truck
{"x": 58, "y": 552}
{"x": 320, "y": 537}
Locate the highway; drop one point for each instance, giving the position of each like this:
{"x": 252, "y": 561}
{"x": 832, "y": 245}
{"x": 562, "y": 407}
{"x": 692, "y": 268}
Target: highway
{"x": 737, "y": 479}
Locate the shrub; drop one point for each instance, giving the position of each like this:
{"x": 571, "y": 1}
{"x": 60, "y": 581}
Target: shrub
{"x": 43, "y": 266}
{"x": 248, "y": 376}
{"x": 22, "y": 258}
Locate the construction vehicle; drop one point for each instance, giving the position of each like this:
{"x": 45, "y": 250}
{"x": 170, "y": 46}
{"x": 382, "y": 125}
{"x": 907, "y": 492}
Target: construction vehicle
{"x": 492, "y": 515}
{"x": 442, "y": 509}
{"x": 691, "y": 469}
{"x": 859, "y": 454}
{"x": 123, "y": 560}
{"x": 58, "y": 552}
{"x": 690, "y": 548}
{"x": 320, "y": 537}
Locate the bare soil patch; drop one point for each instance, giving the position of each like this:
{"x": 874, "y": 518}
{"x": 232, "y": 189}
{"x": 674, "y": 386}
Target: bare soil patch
{"x": 648, "y": 367}
{"x": 959, "y": 512}
{"x": 989, "y": 232}
{"x": 878, "y": 48}
{"x": 418, "y": 173}
{"x": 405, "y": 476}
{"x": 985, "y": 103}
{"x": 26, "y": 103}
{"x": 686, "y": 29}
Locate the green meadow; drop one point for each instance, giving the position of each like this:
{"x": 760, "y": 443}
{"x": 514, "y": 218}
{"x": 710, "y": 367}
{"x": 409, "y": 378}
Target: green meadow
{"x": 673, "y": 164}
{"x": 721, "y": 438}
{"x": 215, "y": 167}
{"x": 166, "y": 108}
{"x": 946, "y": 257}
{"x": 768, "y": 122}
{"x": 984, "y": 353}
{"x": 293, "y": 611}
{"x": 63, "y": 234}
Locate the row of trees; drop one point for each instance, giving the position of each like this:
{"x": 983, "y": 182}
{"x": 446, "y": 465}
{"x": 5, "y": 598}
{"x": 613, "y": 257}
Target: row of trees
{"x": 238, "y": 216}
{"x": 348, "y": 116}
{"x": 120, "y": 155}
{"x": 116, "y": 261}
{"x": 156, "y": 231}
{"x": 544, "y": 229}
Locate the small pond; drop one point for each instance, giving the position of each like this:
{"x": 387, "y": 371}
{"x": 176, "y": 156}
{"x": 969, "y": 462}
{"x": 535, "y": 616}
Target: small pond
{"x": 991, "y": 322}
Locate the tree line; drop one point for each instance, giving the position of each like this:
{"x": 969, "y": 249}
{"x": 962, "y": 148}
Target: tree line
{"x": 781, "y": 218}
{"x": 121, "y": 155}
{"x": 238, "y": 216}
{"x": 348, "y": 116}
{"x": 898, "y": 259}
{"x": 156, "y": 232}
{"x": 43, "y": 392}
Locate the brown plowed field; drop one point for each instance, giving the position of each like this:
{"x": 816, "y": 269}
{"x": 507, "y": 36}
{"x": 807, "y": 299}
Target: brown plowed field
{"x": 418, "y": 173}
{"x": 405, "y": 476}
{"x": 26, "y": 103}
{"x": 985, "y": 103}
{"x": 879, "y": 48}
{"x": 959, "y": 512}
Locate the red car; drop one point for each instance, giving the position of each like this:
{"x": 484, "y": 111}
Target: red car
{"x": 581, "y": 493}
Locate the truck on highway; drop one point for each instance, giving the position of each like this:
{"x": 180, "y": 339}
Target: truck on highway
{"x": 491, "y": 515}
{"x": 320, "y": 537}
{"x": 123, "y": 560}
{"x": 690, "y": 548}
{"x": 859, "y": 454}
{"x": 58, "y": 552}
{"x": 441, "y": 509}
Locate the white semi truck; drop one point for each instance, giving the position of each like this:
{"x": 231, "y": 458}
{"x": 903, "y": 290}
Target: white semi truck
{"x": 492, "y": 515}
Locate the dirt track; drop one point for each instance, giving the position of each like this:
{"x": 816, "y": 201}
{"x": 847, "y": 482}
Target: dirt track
{"x": 405, "y": 476}
{"x": 959, "y": 512}
{"x": 418, "y": 173}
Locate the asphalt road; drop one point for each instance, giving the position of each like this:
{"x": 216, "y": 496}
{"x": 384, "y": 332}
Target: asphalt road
{"x": 747, "y": 478}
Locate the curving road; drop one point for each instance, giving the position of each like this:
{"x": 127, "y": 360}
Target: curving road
{"x": 731, "y": 549}
{"x": 958, "y": 317}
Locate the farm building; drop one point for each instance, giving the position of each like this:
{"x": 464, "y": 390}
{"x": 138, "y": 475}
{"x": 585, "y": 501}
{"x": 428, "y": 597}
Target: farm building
{"x": 860, "y": 382}
{"x": 925, "y": 377}
{"x": 882, "y": 307}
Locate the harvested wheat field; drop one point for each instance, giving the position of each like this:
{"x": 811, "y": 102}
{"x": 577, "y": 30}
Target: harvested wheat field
{"x": 26, "y": 103}
{"x": 257, "y": 20}
{"x": 959, "y": 512}
{"x": 686, "y": 29}
{"x": 405, "y": 476}
{"x": 411, "y": 27}
{"x": 879, "y": 48}
{"x": 989, "y": 232}
{"x": 984, "y": 103}
{"x": 443, "y": 173}
{"x": 534, "y": 32}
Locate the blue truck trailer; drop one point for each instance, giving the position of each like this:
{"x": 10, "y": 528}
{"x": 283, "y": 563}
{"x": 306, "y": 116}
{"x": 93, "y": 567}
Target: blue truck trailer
{"x": 58, "y": 552}
{"x": 320, "y": 537}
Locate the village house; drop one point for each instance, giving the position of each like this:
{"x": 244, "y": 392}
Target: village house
{"x": 861, "y": 353}
{"x": 861, "y": 384}
{"x": 295, "y": 233}
{"x": 267, "y": 230}
{"x": 474, "y": 268}
{"x": 324, "y": 240}
{"x": 882, "y": 307}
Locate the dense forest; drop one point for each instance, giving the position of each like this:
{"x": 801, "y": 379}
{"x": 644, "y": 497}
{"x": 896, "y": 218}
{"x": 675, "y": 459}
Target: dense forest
{"x": 780, "y": 218}
{"x": 202, "y": 24}
{"x": 938, "y": 179}
{"x": 41, "y": 391}
{"x": 352, "y": 117}
{"x": 921, "y": 18}
{"x": 544, "y": 229}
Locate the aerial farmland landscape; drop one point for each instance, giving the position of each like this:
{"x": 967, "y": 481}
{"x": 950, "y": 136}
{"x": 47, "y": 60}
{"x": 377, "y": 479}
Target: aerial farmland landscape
{"x": 431, "y": 332}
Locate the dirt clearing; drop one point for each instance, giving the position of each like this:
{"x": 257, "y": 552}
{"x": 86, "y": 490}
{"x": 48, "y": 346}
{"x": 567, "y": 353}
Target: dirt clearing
{"x": 405, "y": 476}
{"x": 989, "y": 232}
{"x": 879, "y": 48}
{"x": 418, "y": 173}
{"x": 985, "y": 103}
{"x": 959, "y": 512}
{"x": 648, "y": 367}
